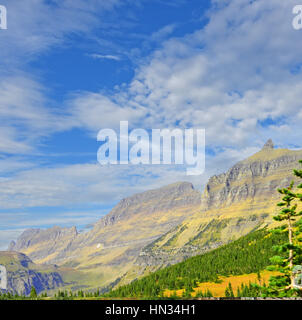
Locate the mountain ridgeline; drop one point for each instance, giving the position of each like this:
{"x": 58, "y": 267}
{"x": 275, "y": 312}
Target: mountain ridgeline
{"x": 109, "y": 250}
{"x": 156, "y": 228}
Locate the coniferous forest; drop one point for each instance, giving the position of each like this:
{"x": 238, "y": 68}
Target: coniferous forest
{"x": 248, "y": 254}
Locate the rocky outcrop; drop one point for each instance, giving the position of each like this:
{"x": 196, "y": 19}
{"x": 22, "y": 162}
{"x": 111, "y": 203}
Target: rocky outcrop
{"x": 257, "y": 177}
{"x": 22, "y": 274}
{"x": 21, "y": 281}
{"x": 269, "y": 145}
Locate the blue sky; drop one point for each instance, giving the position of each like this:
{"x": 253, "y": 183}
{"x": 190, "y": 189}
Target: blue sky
{"x": 70, "y": 68}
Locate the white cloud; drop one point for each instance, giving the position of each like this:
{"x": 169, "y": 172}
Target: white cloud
{"x": 6, "y": 237}
{"x": 163, "y": 33}
{"x": 25, "y": 115}
{"x": 78, "y": 184}
{"x": 106, "y": 56}
{"x": 9, "y": 165}
{"x": 228, "y": 78}
{"x": 93, "y": 184}
{"x": 37, "y": 25}
{"x": 95, "y": 111}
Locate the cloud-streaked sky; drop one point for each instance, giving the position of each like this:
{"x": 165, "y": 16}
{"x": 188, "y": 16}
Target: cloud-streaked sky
{"x": 70, "y": 68}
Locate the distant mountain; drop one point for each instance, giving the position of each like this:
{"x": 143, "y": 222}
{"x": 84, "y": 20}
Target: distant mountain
{"x": 34, "y": 241}
{"x": 109, "y": 250}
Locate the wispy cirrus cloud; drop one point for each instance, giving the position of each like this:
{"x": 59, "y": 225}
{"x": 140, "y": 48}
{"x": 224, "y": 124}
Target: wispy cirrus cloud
{"x": 36, "y": 26}
{"x": 26, "y": 112}
{"x": 104, "y": 56}
{"x": 26, "y": 116}
{"x": 163, "y": 33}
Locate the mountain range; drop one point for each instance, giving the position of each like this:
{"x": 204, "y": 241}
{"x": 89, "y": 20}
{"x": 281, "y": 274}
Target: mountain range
{"x": 109, "y": 250}
{"x": 156, "y": 228}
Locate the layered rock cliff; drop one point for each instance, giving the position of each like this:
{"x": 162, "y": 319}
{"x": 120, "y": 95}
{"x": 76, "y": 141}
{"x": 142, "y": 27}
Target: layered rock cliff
{"x": 254, "y": 178}
{"x": 233, "y": 204}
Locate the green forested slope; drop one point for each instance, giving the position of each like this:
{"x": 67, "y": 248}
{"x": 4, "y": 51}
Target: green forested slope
{"x": 248, "y": 254}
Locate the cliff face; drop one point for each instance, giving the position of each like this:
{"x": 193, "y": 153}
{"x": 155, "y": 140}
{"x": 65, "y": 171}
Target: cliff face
{"x": 22, "y": 274}
{"x": 233, "y": 204}
{"x": 178, "y": 195}
{"x": 111, "y": 247}
{"x": 44, "y": 242}
{"x": 257, "y": 177}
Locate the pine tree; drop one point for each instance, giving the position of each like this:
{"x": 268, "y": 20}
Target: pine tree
{"x": 199, "y": 294}
{"x": 229, "y": 291}
{"x": 289, "y": 253}
{"x": 238, "y": 292}
{"x": 33, "y": 293}
{"x": 188, "y": 290}
{"x": 208, "y": 294}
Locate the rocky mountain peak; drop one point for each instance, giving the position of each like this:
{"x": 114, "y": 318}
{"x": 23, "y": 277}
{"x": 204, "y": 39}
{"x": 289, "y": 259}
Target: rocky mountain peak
{"x": 173, "y": 196}
{"x": 269, "y": 145}
{"x": 32, "y": 237}
{"x": 256, "y": 177}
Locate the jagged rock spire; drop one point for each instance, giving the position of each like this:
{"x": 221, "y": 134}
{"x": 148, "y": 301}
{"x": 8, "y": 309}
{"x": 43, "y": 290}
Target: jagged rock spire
{"x": 268, "y": 145}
